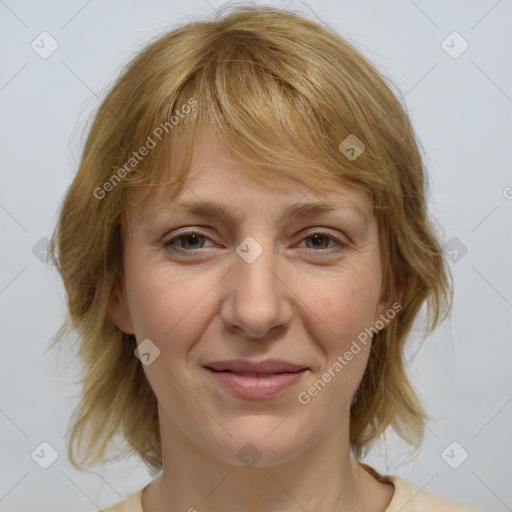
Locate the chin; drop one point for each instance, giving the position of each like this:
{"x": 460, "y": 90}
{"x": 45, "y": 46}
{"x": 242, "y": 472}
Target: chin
{"x": 257, "y": 443}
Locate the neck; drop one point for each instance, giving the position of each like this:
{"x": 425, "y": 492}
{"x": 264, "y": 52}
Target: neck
{"x": 323, "y": 477}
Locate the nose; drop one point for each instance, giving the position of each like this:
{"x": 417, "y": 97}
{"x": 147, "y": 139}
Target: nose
{"x": 257, "y": 303}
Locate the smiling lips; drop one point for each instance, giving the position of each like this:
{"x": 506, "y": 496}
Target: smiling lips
{"x": 251, "y": 380}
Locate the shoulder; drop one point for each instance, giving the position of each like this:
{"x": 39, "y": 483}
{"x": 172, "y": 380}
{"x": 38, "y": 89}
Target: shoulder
{"x": 131, "y": 504}
{"x": 406, "y": 498}
{"x": 409, "y": 498}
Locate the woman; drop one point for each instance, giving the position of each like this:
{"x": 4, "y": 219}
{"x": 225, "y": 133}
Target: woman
{"x": 245, "y": 249}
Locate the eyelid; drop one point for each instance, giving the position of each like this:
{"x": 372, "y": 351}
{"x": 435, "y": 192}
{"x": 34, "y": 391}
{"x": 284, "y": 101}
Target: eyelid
{"x": 166, "y": 241}
{"x": 326, "y": 232}
{"x": 340, "y": 242}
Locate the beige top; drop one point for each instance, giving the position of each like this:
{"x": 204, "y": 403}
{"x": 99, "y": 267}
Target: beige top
{"x": 406, "y": 498}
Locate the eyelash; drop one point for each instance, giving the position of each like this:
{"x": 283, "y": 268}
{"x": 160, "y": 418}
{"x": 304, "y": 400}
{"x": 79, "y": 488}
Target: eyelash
{"x": 169, "y": 243}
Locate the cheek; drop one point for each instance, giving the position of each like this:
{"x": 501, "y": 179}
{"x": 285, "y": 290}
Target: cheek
{"x": 165, "y": 304}
{"x": 342, "y": 308}
{"x": 169, "y": 309}
{"x": 339, "y": 322}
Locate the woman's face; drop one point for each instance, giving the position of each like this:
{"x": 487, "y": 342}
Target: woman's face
{"x": 220, "y": 295}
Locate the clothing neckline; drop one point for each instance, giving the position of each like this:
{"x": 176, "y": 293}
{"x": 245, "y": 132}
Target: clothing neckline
{"x": 406, "y": 498}
{"x": 383, "y": 479}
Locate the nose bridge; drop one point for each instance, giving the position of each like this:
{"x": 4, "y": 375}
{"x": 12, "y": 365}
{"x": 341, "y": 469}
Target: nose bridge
{"x": 254, "y": 267}
{"x": 256, "y": 301}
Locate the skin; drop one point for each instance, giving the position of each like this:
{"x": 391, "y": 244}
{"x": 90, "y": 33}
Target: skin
{"x": 297, "y": 301}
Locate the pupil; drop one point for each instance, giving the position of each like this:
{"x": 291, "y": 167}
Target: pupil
{"x": 192, "y": 239}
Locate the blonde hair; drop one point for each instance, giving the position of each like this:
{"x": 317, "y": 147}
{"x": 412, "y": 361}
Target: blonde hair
{"x": 282, "y": 92}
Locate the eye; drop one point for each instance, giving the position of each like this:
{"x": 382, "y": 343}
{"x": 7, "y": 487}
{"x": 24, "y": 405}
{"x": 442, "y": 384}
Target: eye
{"x": 186, "y": 242}
{"x": 321, "y": 240}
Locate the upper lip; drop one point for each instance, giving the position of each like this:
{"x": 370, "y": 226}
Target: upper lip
{"x": 267, "y": 366}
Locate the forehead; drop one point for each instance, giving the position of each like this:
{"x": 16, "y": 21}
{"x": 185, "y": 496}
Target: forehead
{"x": 217, "y": 177}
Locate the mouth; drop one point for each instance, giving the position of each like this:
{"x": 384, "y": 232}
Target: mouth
{"x": 256, "y": 380}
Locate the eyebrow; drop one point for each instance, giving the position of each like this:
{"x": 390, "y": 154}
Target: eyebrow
{"x": 297, "y": 210}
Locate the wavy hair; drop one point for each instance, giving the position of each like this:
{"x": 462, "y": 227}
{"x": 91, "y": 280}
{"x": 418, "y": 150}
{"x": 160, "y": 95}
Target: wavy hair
{"x": 282, "y": 91}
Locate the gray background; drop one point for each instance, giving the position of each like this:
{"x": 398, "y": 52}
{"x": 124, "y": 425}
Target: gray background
{"x": 461, "y": 108}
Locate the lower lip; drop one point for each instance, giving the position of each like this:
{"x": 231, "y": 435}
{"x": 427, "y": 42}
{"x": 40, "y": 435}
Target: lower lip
{"x": 256, "y": 387}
